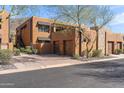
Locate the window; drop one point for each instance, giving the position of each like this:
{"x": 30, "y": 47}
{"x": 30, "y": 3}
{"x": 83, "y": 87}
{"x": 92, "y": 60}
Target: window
{"x": 40, "y": 41}
{"x": 43, "y": 28}
{"x": 0, "y": 23}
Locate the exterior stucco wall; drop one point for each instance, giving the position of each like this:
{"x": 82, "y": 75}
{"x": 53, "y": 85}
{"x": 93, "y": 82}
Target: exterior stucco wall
{"x": 115, "y": 38}
{"x": 101, "y": 40}
{"x": 35, "y": 32}
{"x": 4, "y": 31}
{"x": 64, "y": 36}
{"x": 4, "y": 27}
{"x": 91, "y": 34}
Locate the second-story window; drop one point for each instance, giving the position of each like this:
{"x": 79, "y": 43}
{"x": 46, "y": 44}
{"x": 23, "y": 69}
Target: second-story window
{"x": 0, "y": 23}
{"x": 43, "y": 28}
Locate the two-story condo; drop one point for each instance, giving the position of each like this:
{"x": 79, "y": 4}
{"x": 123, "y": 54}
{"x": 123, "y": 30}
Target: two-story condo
{"x": 48, "y": 37}
{"x": 62, "y": 38}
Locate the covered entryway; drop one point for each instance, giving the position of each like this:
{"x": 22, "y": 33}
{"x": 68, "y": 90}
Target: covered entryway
{"x": 110, "y": 47}
{"x": 68, "y": 47}
{"x": 56, "y": 49}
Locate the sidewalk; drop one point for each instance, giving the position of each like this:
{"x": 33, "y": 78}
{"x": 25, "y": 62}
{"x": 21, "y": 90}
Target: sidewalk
{"x": 35, "y": 62}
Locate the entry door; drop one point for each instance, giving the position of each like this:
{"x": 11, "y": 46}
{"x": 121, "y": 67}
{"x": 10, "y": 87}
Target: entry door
{"x": 119, "y": 45}
{"x": 68, "y": 47}
{"x": 56, "y": 47}
{"x": 110, "y": 47}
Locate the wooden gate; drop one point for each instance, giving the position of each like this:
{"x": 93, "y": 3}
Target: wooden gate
{"x": 68, "y": 49}
{"x": 56, "y": 47}
{"x": 110, "y": 47}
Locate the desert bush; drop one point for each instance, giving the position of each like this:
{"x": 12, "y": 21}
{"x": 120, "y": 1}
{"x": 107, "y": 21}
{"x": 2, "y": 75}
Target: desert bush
{"x": 96, "y": 53}
{"x": 76, "y": 56}
{"x": 22, "y": 49}
{"x": 35, "y": 51}
{"x": 118, "y": 51}
{"x": 16, "y": 52}
{"x": 123, "y": 51}
{"x": 5, "y": 56}
{"x": 28, "y": 51}
{"x": 83, "y": 53}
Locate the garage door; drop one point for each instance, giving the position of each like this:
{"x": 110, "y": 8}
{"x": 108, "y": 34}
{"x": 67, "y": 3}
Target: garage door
{"x": 110, "y": 47}
{"x": 68, "y": 48}
{"x": 56, "y": 47}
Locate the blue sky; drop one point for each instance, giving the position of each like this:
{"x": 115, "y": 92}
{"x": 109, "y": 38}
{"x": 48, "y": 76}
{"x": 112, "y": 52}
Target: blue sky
{"x": 117, "y": 24}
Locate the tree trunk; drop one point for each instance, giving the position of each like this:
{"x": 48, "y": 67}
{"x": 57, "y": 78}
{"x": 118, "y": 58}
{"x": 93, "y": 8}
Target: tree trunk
{"x": 80, "y": 48}
{"x": 97, "y": 39}
{"x": 87, "y": 54}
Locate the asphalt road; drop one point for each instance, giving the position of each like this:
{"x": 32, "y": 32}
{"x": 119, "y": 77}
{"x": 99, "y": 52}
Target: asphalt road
{"x": 99, "y": 75}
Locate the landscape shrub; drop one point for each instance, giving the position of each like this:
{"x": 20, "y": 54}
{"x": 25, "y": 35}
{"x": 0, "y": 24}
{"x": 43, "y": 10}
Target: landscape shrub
{"x": 5, "y": 56}
{"x": 35, "y": 51}
{"x": 90, "y": 55}
{"x": 28, "y": 51}
{"x": 16, "y": 52}
{"x": 22, "y": 49}
{"x": 123, "y": 50}
{"x": 118, "y": 51}
{"x": 76, "y": 56}
{"x": 96, "y": 53}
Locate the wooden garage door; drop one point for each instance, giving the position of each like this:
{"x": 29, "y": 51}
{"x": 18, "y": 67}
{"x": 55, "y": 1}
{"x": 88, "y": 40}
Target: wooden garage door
{"x": 68, "y": 47}
{"x": 110, "y": 47}
{"x": 56, "y": 47}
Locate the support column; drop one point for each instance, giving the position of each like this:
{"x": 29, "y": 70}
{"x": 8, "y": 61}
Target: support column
{"x": 54, "y": 28}
{"x": 115, "y": 46}
{"x": 76, "y": 42}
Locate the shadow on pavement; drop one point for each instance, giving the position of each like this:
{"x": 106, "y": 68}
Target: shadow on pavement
{"x": 108, "y": 71}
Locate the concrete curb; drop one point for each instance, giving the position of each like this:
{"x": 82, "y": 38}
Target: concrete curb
{"x": 54, "y": 66}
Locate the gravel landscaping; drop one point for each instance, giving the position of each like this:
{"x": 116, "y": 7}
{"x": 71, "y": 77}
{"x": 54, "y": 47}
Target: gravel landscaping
{"x": 7, "y": 66}
{"x": 38, "y": 61}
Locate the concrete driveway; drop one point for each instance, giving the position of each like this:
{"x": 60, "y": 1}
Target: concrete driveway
{"x": 100, "y": 74}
